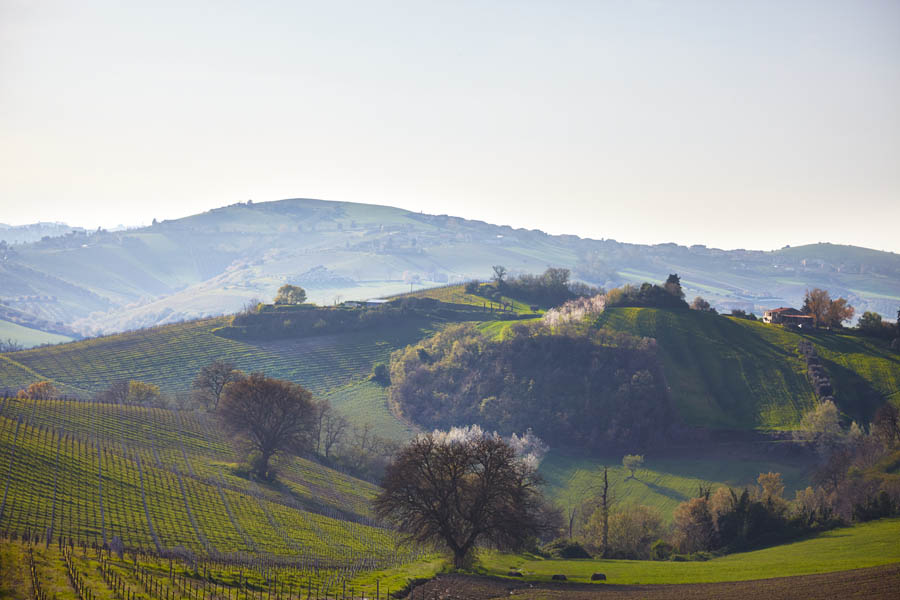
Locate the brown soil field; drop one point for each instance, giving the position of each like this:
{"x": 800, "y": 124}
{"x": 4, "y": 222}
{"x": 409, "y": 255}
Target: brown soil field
{"x": 875, "y": 583}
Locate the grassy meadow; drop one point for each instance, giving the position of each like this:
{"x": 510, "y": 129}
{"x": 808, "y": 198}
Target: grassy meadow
{"x": 662, "y": 483}
{"x": 864, "y": 545}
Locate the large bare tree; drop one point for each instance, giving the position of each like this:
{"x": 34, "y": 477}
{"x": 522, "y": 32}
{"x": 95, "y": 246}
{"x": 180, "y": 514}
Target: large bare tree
{"x": 329, "y": 428}
{"x": 462, "y": 492}
{"x": 270, "y": 416}
{"x": 210, "y": 382}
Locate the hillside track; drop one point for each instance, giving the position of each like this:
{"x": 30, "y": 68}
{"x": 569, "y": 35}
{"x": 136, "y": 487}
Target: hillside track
{"x": 871, "y": 583}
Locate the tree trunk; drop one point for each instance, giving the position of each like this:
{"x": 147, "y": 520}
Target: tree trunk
{"x": 262, "y": 465}
{"x": 604, "y": 507}
{"x": 459, "y": 558}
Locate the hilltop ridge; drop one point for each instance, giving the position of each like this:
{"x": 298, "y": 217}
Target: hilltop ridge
{"x": 212, "y": 263}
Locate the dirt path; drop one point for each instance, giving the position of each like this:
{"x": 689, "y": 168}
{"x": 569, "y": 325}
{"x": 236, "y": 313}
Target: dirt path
{"x": 875, "y": 582}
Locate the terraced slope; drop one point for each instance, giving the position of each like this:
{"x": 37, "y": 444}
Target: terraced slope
{"x": 736, "y": 374}
{"x": 165, "y": 482}
{"x": 170, "y": 356}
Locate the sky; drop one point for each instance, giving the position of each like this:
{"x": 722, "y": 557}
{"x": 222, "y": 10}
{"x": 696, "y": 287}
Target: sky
{"x": 730, "y": 124}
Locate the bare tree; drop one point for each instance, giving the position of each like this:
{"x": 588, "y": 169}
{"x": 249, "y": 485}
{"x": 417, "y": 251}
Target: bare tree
{"x": 270, "y": 416}
{"x": 210, "y": 382}
{"x": 499, "y": 275}
{"x": 334, "y": 431}
{"x": 606, "y": 501}
{"x": 462, "y": 492}
{"x": 10, "y": 345}
{"x": 329, "y": 428}
{"x": 116, "y": 393}
{"x": 886, "y": 426}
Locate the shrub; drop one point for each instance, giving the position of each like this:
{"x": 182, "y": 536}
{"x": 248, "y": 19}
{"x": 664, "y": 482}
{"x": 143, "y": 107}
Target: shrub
{"x": 661, "y": 550}
{"x": 381, "y": 374}
{"x": 563, "y": 548}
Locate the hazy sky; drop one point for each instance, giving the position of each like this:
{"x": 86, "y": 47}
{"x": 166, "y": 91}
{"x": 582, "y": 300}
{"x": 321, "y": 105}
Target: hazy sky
{"x": 732, "y": 124}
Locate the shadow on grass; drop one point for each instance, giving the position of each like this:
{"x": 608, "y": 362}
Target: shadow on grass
{"x": 664, "y": 491}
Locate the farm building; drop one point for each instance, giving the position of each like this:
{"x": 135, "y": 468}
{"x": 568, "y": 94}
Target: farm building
{"x": 787, "y": 316}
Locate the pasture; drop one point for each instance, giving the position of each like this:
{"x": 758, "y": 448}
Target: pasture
{"x": 864, "y": 545}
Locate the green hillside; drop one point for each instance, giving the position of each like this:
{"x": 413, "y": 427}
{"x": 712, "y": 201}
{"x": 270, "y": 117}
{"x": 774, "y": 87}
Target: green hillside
{"x": 171, "y": 355}
{"x": 723, "y": 372}
{"x": 737, "y": 374}
{"x": 27, "y": 336}
{"x": 165, "y": 481}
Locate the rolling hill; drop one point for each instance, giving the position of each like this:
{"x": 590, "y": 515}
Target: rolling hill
{"x": 730, "y": 373}
{"x": 166, "y": 484}
{"x": 212, "y": 263}
{"x": 723, "y": 372}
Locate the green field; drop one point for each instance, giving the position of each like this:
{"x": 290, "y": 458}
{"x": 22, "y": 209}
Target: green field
{"x": 865, "y": 545}
{"x": 366, "y": 402}
{"x": 736, "y": 374}
{"x": 456, "y": 294}
{"x": 662, "y": 483}
{"x": 28, "y": 337}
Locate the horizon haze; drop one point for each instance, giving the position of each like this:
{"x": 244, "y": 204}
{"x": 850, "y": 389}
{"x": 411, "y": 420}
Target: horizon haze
{"x": 723, "y": 124}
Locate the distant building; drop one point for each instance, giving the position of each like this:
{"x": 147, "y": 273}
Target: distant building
{"x": 366, "y": 303}
{"x": 787, "y": 316}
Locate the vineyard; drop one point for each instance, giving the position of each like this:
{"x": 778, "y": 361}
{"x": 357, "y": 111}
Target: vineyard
{"x": 170, "y": 356}
{"x": 88, "y": 485}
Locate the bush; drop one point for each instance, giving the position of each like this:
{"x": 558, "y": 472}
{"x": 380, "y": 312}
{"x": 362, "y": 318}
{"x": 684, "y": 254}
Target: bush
{"x": 661, "y": 550}
{"x": 381, "y": 374}
{"x": 563, "y": 548}
{"x": 647, "y": 295}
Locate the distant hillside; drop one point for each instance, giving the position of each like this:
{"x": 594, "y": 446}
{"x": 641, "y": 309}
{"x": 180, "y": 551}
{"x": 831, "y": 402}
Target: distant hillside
{"x": 21, "y": 234}
{"x": 27, "y": 337}
{"x": 731, "y": 373}
{"x": 212, "y": 263}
